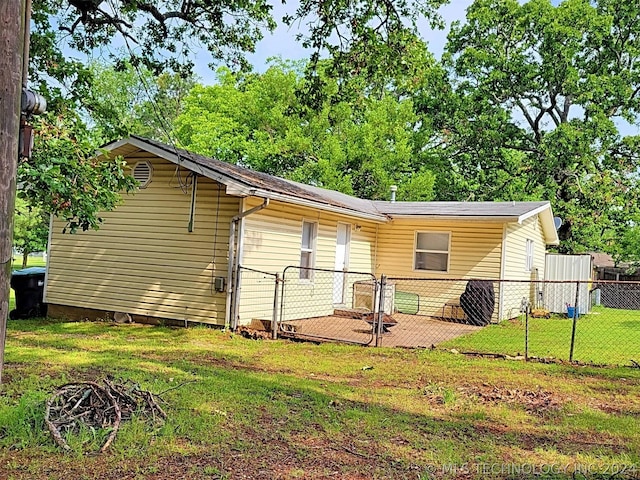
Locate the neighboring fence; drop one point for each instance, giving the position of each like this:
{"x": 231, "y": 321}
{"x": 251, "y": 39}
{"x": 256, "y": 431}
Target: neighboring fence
{"x": 505, "y": 317}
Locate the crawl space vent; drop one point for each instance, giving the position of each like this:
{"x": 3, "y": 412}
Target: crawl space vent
{"x": 142, "y": 173}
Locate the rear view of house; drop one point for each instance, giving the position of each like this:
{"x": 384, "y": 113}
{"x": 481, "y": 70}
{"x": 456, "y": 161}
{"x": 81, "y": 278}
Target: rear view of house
{"x": 173, "y": 251}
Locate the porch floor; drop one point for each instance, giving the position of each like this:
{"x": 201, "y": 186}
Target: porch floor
{"x": 411, "y": 330}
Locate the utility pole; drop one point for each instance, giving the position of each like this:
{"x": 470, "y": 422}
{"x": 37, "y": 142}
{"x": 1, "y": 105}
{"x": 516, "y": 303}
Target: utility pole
{"x": 12, "y": 35}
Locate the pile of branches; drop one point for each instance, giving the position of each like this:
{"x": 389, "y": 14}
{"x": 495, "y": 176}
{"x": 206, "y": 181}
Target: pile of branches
{"x": 88, "y": 404}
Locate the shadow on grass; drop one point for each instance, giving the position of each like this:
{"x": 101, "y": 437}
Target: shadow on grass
{"x": 257, "y": 422}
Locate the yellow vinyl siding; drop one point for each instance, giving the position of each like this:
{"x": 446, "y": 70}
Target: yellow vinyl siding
{"x": 475, "y": 248}
{"x": 515, "y": 264}
{"x": 272, "y": 241}
{"x": 475, "y": 252}
{"x": 143, "y": 260}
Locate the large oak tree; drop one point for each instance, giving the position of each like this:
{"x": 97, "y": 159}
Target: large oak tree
{"x": 540, "y": 93}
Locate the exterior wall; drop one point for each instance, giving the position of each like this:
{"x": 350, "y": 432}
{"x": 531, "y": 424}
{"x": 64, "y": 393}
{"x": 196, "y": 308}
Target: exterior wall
{"x": 272, "y": 240}
{"x": 475, "y": 252}
{"x": 143, "y": 261}
{"x": 515, "y": 266}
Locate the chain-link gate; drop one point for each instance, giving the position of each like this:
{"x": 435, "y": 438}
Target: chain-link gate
{"x": 319, "y": 304}
{"x": 258, "y": 294}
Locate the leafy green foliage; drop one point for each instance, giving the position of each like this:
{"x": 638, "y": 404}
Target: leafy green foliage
{"x": 366, "y": 38}
{"x": 132, "y": 100}
{"x": 257, "y": 120}
{"x": 30, "y": 229}
{"x": 64, "y": 177}
{"x": 539, "y": 90}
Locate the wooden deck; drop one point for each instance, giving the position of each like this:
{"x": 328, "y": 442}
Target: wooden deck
{"x": 411, "y": 331}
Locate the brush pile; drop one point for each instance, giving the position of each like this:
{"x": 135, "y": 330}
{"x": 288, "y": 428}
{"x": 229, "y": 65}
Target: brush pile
{"x": 88, "y": 404}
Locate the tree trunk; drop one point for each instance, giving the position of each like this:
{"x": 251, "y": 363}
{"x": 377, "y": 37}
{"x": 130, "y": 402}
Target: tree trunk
{"x": 12, "y": 21}
{"x": 25, "y": 259}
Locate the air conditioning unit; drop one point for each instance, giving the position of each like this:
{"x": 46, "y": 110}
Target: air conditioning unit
{"x": 364, "y": 292}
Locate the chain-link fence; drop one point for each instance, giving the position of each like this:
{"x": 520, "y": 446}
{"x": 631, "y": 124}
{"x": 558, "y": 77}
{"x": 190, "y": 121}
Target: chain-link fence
{"x": 328, "y": 305}
{"x": 258, "y": 292}
{"x": 566, "y": 320}
{"x": 586, "y": 321}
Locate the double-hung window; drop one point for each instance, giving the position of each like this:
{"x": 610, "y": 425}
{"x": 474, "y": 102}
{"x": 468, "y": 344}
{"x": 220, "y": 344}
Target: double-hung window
{"x": 528, "y": 266}
{"x": 432, "y": 251}
{"x": 307, "y": 249}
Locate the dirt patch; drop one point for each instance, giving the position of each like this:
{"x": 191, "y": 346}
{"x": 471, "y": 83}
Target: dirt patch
{"x": 533, "y": 401}
{"x": 616, "y": 409}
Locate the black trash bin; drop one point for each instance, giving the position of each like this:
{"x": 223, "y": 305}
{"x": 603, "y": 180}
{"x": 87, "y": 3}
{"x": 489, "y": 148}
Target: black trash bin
{"x": 28, "y": 284}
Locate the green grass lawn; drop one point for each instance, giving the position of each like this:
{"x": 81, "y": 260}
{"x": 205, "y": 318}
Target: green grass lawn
{"x": 251, "y": 409}
{"x": 607, "y": 336}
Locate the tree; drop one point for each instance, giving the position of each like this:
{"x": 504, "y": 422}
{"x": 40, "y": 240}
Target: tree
{"x": 258, "y": 121}
{"x": 539, "y": 92}
{"x": 132, "y": 100}
{"x": 367, "y": 38}
{"x": 64, "y": 178}
{"x": 30, "y": 230}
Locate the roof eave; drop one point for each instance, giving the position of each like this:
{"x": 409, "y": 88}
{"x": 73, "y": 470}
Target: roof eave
{"x": 239, "y": 188}
{"x": 321, "y": 206}
{"x": 466, "y": 218}
{"x": 548, "y": 225}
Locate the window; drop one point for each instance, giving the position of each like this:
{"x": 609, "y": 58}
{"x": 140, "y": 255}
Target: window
{"x": 432, "y": 251}
{"x": 309, "y": 230}
{"x": 529, "y": 256}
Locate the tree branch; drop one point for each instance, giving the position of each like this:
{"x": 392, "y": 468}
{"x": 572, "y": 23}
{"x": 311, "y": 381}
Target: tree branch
{"x": 526, "y": 113}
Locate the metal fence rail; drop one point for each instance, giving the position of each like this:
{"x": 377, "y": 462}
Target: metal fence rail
{"x": 586, "y": 321}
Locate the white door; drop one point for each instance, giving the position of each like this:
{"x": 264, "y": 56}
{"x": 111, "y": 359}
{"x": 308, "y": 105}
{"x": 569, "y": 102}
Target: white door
{"x": 343, "y": 235}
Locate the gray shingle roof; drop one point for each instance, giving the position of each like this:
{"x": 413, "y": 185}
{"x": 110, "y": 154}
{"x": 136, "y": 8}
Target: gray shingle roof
{"x": 458, "y": 209}
{"x": 287, "y": 190}
{"x": 271, "y": 183}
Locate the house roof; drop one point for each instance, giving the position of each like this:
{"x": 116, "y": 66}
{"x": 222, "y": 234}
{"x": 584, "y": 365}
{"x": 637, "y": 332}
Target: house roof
{"x": 242, "y": 181}
{"x": 246, "y": 182}
{"x": 506, "y": 212}
{"x": 460, "y": 209}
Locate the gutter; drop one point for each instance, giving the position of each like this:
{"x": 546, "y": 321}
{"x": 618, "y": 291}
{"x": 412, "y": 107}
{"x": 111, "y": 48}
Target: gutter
{"x": 233, "y": 264}
{"x": 238, "y": 187}
{"x": 303, "y": 202}
{"x": 463, "y": 218}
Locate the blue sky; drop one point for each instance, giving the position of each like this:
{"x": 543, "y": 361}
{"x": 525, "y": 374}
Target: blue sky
{"x": 282, "y": 41}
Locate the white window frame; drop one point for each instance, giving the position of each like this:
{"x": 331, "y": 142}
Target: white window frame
{"x": 416, "y": 251}
{"x": 529, "y": 255}
{"x": 307, "y": 275}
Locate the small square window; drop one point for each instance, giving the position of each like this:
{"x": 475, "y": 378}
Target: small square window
{"x": 432, "y": 251}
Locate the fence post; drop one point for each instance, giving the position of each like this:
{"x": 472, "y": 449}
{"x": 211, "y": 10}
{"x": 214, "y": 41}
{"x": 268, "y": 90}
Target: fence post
{"x": 274, "y": 318}
{"x": 380, "y": 313}
{"x": 236, "y": 297}
{"x": 526, "y": 334}
{"x": 575, "y": 321}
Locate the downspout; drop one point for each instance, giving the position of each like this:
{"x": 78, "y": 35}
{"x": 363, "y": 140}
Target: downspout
{"x": 231, "y": 297}
{"x": 503, "y": 271}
